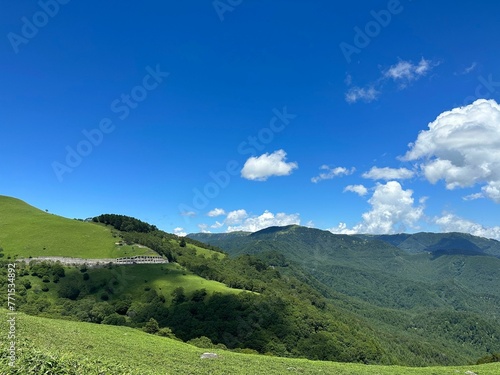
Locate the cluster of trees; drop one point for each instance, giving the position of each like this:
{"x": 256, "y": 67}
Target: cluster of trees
{"x": 495, "y": 357}
{"x": 124, "y": 223}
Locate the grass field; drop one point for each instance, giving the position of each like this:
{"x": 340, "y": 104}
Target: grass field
{"x": 205, "y": 252}
{"x": 162, "y": 277}
{"x": 27, "y": 231}
{"x": 49, "y": 346}
{"x": 132, "y": 280}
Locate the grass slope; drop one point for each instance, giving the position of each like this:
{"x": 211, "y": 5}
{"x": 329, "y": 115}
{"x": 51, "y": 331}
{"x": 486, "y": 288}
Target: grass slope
{"x": 27, "y": 231}
{"x": 162, "y": 277}
{"x": 52, "y": 346}
{"x": 132, "y": 281}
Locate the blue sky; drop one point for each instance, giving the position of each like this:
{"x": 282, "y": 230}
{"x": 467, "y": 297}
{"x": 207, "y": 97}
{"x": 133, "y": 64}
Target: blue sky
{"x": 363, "y": 116}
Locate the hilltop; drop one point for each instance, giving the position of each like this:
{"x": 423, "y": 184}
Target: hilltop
{"x": 27, "y": 231}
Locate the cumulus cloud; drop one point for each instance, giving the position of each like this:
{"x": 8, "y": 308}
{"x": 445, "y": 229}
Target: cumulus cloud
{"x": 216, "y": 212}
{"x": 343, "y": 229}
{"x": 203, "y": 228}
{"x": 453, "y": 223}
{"x": 403, "y": 73}
{"x": 188, "y": 213}
{"x": 236, "y": 217}
{"x": 472, "y": 197}
{"x": 180, "y": 232}
{"x": 267, "y": 219}
{"x": 388, "y": 173}
{"x": 392, "y": 211}
{"x": 262, "y": 167}
{"x": 462, "y": 147}
{"x": 367, "y": 94}
{"x": 332, "y": 173}
{"x": 217, "y": 225}
{"x": 358, "y": 189}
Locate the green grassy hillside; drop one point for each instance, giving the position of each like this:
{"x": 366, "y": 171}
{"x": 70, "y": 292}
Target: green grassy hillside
{"x": 118, "y": 281}
{"x": 26, "y": 231}
{"x": 49, "y": 346}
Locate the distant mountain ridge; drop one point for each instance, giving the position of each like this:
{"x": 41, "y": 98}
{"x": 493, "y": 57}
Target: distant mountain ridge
{"x": 356, "y": 264}
{"x": 440, "y": 243}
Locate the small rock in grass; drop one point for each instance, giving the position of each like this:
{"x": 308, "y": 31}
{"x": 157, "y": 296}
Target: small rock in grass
{"x": 209, "y": 356}
{"x": 470, "y": 373}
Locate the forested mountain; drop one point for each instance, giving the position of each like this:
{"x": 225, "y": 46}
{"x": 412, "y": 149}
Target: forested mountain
{"x": 437, "y": 294}
{"x": 440, "y": 243}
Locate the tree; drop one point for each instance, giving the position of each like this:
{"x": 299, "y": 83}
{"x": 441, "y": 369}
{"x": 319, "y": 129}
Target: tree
{"x": 199, "y": 295}
{"x": 166, "y": 332}
{"x": 151, "y": 326}
{"x": 182, "y": 243}
{"x": 69, "y": 290}
{"x": 178, "y": 295}
{"x": 114, "y": 320}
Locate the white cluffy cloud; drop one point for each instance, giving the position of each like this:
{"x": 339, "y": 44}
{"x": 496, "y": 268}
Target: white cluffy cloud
{"x": 236, "y": 217}
{"x": 403, "y": 73}
{"x": 462, "y": 147}
{"x": 216, "y": 212}
{"x": 407, "y": 71}
{"x": 260, "y": 168}
{"x": 367, "y": 94}
{"x": 392, "y": 211}
{"x": 332, "y": 173}
{"x": 453, "y": 223}
{"x": 265, "y": 220}
{"x": 388, "y": 173}
{"x": 180, "y": 232}
{"x": 358, "y": 189}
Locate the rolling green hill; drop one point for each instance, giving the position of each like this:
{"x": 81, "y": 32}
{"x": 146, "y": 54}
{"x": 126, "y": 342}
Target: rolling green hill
{"x": 26, "y": 231}
{"x": 49, "y": 346}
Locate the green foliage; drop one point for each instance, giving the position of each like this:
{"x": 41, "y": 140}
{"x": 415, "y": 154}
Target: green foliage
{"x": 495, "y": 357}
{"x": 114, "y": 319}
{"x": 124, "y": 223}
{"x": 166, "y": 332}
{"x": 178, "y": 295}
{"x": 69, "y": 290}
{"x": 205, "y": 343}
{"x": 151, "y": 326}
